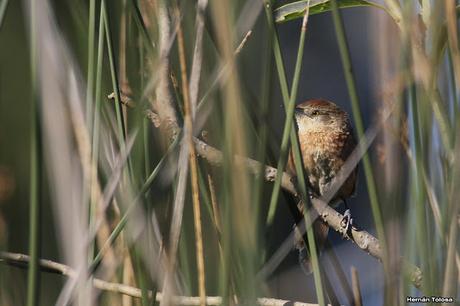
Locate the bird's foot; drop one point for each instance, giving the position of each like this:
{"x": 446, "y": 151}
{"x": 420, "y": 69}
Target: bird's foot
{"x": 346, "y": 223}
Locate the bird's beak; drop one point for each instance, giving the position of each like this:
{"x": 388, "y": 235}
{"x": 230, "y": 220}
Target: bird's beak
{"x": 299, "y": 112}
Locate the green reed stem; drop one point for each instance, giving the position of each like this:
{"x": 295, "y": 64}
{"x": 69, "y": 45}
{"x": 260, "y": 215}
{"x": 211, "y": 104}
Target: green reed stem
{"x": 263, "y": 108}
{"x": 349, "y": 77}
{"x": 122, "y": 130}
{"x": 98, "y": 95}
{"x": 454, "y": 99}
{"x": 288, "y": 125}
{"x": 96, "y": 124}
{"x": 90, "y": 72}
{"x": 261, "y": 152}
{"x": 285, "y": 94}
{"x": 205, "y": 196}
{"x": 115, "y": 84}
{"x": 3, "y": 6}
{"x": 289, "y": 132}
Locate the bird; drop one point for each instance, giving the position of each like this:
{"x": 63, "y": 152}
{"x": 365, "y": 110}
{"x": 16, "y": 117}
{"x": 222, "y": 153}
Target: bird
{"x": 326, "y": 140}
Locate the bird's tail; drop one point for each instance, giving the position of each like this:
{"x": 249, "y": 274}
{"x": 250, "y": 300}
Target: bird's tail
{"x": 320, "y": 230}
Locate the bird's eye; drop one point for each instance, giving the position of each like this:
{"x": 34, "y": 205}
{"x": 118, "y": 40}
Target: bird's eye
{"x": 315, "y": 113}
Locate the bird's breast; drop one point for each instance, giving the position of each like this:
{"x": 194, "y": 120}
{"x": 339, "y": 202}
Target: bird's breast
{"x": 323, "y": 156}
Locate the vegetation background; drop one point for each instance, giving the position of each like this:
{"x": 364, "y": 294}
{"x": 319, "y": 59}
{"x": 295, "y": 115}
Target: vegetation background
{"x": 78, "y": 168}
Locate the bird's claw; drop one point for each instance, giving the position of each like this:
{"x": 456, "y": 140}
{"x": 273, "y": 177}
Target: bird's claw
{"x": 347, "y": 222}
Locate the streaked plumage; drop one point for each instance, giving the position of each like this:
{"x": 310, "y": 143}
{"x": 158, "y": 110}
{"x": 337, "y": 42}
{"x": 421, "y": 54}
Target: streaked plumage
{"x": 326, "y": 140}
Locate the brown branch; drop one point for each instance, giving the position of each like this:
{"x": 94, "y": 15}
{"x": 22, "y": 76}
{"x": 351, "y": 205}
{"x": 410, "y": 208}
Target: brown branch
{"x": 22, "y": 261}
{"x": 361, "y": 238}
{"x": 162, "y": 103}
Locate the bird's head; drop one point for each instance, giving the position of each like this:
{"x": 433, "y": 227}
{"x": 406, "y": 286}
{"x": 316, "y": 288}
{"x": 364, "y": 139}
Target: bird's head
{"x": 320, "y": 115}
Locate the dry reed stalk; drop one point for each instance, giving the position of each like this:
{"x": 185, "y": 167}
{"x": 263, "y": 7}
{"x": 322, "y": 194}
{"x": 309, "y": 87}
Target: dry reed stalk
{"x": 188, "y": 121}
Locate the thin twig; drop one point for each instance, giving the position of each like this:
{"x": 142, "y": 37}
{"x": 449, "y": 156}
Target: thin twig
{"x": 22, "y": 261}
{"x": 243, "y": 42}
{"x": 124, "y": 99}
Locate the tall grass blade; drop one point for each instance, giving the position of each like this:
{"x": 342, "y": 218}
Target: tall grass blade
{"x": 114, "y": 75}
{"x": 3, "y": 7}
{"x": 96, "y": 128}
{"x": 91, "y": 53}
{"x": 289, "y": 134}
{"x": 349, "y": 77}
{"x": 295, "y": 10}
{"x": 33, "y": 280}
